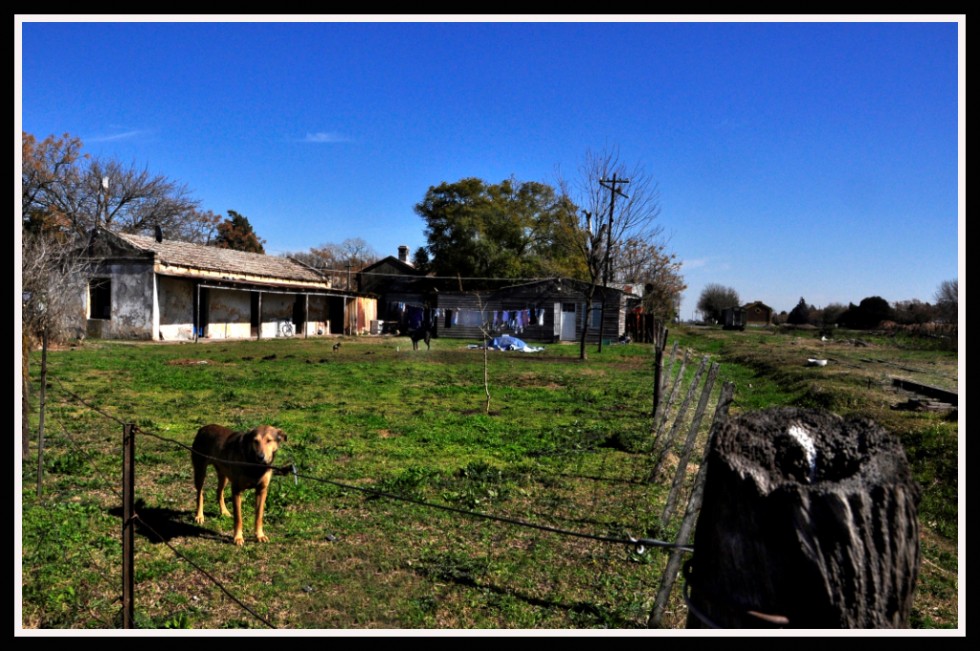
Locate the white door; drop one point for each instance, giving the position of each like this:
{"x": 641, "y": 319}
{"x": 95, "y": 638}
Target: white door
{"x": 568, "y": 321}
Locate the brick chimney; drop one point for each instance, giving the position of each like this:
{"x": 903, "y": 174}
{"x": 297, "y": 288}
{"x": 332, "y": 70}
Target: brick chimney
{"x": 403, "y": 254}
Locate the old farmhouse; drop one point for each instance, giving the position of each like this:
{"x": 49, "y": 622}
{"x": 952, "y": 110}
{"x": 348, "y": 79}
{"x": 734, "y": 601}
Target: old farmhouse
{"x": 546, "y": 310}
{"x": 153, "y": 288}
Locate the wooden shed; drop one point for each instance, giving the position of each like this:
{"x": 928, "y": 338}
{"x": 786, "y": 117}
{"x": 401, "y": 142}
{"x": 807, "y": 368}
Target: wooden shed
{"x": 733, "y": 318}
{"x": 757, "y": 313}
{"x": 549, "y": 310}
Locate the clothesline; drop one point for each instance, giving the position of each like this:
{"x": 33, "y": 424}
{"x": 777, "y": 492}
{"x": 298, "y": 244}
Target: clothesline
{"x": 515, "y": 320}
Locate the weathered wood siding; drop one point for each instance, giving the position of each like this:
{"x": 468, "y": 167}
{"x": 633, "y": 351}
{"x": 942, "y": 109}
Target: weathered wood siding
{"x": 548, "y": 296}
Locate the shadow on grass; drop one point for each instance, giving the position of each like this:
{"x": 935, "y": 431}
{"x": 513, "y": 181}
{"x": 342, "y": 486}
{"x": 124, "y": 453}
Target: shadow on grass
{"x": 587, "y": 613}
{"x": 158, "y": 525}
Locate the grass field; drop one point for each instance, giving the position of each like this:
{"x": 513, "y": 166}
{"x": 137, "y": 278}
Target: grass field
{"x": 561, "y": 444}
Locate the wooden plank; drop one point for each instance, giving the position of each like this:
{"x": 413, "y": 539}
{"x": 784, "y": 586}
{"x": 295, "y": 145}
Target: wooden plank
{"x": 678, "y": 419}
{"x": 690, "y": 515}
{"x": 692, "y": 434}
{"x": 925, "y": 390}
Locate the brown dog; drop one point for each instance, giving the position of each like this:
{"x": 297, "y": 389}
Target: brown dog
{"x": 242, "y": 458}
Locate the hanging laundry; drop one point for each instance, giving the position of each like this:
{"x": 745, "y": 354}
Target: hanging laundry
{"x": 415, "y": 317}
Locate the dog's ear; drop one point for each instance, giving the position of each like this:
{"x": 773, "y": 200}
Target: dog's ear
{"x": 280, "y": 436}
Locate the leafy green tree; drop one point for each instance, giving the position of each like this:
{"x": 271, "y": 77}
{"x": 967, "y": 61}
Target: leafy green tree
{"x": 831, "y": 314}
{"x": 236, "y": 233}
{"x": 714, "y": 299}
{"x": 510, "y": 229}
{"x": 420, "y": 260}
{"x": 914, "y": 311}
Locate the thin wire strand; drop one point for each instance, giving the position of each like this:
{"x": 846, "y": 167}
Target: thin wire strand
{"x": 282, "y": 470}
{"x": 291, "y": 469}
{"x": 648, "y": 542}
{"x": 84, "y": 402}
{"x": 205, "y": 573}
{"x": 88, "y": 457}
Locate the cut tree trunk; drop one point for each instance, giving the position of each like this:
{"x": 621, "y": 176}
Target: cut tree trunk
{"x": 808, "y": 521}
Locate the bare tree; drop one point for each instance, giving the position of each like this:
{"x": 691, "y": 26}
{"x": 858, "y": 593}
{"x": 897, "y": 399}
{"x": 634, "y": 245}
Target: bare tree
{"x": 617, "y": 232}
{"x": 629, "y": 211}
{"x": 65, "y": 190}
{"x": 46, "y": 168}
{"x": 131, "y": 200}
{"x": 338, "y": 261}
{"x": 948, "y": 300}
{"x": 52, "y": 290}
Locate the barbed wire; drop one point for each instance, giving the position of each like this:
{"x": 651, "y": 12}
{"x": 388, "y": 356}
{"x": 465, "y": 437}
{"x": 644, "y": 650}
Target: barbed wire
{"x": 92, "y": 407}
{"x": 639, "y": 544}
{"x": 88, "y": 457}
{"x": 197, "y": 567}
{"x": 143, "y": 523}
{"x": 88, "y": 550}
{"x": 291, "y": 469}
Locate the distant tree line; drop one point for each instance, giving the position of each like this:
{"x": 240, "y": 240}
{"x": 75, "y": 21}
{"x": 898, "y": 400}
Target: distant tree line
{"x": 339, "y": 262}
{"x": 870, "y": 313}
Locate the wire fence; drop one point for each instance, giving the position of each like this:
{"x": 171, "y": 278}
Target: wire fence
{"x": 552, "y": 506}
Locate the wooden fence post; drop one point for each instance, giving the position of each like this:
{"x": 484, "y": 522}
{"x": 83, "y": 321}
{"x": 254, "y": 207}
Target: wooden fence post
{"x": 668, "y": 441}
{"x": 42, "y": 408}
{"x": 691, "y": 513}
{"x": 692, "y": 434}
{"x": 658, "y": 373}
{"x": 660, "y": 418}
{"x": 128, "y": 524}
{"x": 808, "y": 521}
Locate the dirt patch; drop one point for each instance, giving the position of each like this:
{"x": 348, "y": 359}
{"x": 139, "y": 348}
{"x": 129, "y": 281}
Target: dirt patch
{"x": 532, "y": 380}
{"x": 188, "y": 362}
{"x": 387, "y": 434}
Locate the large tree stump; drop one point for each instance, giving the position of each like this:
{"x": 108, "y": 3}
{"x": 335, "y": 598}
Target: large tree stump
{"x": 808, "y": 521}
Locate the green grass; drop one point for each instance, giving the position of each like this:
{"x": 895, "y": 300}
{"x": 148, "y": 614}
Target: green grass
{"x": 564, "y": 445}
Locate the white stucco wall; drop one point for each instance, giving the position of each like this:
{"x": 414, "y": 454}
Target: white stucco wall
{"x": 277, "y": 309}
{"x": 229, "y": 314}
{"x": 175, "y": 299}
{"x": 131, "y": 302}
{"x": 317, "y": 317}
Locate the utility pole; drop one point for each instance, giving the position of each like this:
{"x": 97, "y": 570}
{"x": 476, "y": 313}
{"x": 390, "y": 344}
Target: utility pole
{"x": 609, "y": 184}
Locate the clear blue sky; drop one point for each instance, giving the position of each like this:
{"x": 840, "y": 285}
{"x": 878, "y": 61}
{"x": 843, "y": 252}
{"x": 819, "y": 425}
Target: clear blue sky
{"x": 808, "y": 159}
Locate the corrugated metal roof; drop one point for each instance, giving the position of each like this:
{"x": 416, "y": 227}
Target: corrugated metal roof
{"x": 210, "y": 258}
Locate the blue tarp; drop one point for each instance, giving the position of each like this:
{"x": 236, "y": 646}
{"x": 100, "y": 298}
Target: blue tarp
{"x": 507, "y": 342}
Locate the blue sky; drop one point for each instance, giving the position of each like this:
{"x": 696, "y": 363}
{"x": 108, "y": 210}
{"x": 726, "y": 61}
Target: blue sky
{"x": 821, "y": 158}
